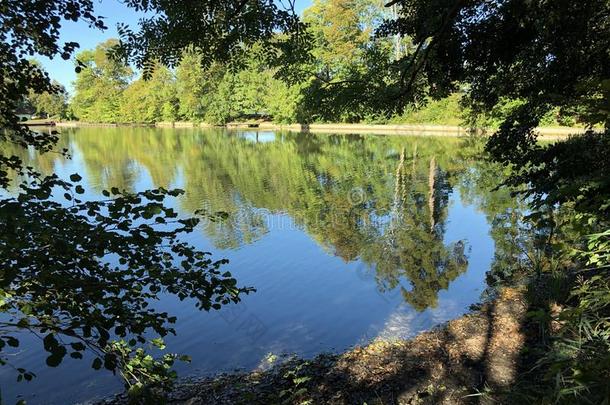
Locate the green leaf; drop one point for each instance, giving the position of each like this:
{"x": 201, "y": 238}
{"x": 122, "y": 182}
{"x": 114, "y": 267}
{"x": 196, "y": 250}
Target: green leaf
{"x": 158, "y": 342}
{"x": 75, "y": 177}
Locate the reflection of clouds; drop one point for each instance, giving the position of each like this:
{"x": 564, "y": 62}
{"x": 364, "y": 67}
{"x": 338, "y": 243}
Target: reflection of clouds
{"x": 405, "y": 322}
{"x": 400, "y": 323}
{"x": 447, "y": 309}
{"x": 281, "y": 343}
{"x": 258, "y": 136}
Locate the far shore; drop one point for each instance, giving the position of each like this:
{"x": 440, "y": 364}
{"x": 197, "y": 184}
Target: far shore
{"x": 381, "y": 129}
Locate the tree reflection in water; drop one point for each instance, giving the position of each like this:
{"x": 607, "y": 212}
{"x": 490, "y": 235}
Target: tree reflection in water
{"x": 381, "y": 200}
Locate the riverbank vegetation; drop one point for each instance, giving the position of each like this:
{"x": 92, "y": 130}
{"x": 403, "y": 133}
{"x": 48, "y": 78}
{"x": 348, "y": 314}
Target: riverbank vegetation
{"x": 515, "y": 63}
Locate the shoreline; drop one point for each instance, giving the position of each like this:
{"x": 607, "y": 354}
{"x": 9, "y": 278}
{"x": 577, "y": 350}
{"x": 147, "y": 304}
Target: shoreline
{"x": 449, "y": 364}
{"x": 380, "y": 129}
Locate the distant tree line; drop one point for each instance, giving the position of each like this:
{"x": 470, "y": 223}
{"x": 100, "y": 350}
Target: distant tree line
{"x": 217, "y": 92}
{"x": 344, "y": 50}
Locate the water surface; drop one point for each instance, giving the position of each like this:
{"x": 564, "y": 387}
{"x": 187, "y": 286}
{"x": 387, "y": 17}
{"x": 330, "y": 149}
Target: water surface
{"x": 346, "y": 238}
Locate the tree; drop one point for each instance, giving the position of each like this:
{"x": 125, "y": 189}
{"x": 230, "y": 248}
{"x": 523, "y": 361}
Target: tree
{"x": 215, "y": 93}
{"x": 191, "y": 85}
{"x": 349, "y": 75}
{"x": 283, "y": 101}
{"x": 51, "y": 104}
{"x": 100, "y": 83}
{"x": 252, "y": 86}
{"x": 150, "y": 100}
{"x": 220, "y": 31}
{"x": 220, "y": 103}
{"x": 341, "y": 31}
{"x": 545, "y": 54}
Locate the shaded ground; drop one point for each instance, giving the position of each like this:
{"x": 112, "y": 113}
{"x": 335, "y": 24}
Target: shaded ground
{"x": 458, "y": 363}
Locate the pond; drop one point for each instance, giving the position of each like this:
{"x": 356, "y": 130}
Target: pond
{"x": 346, "y": 238}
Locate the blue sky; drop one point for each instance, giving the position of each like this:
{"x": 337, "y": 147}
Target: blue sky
{"x": 114, "y": 12}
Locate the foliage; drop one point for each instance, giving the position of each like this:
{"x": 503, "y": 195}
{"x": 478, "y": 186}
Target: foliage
{"x": 150, "y": 100}
{"x": 192, "y": 84}
{"x": 146, "y": 378}
{"x": 252, "y": 85}
{"x": 50, "y": 105}
{"x": 87, "y": 269}
{"x": 297, "y": 378}
{"x": 511, "y": 50}
{"x": 446, "y": 111}
{"x": 220, "y": 31}
{"x": 341, "y": 30}
{"x": 211, "y": 94}
{"x": 283, "y": 102}
{"x": 575, "y": 365}
{"x": 350, "y": 76}
{"x": 99, "y": 84}
{"x": 570, "y": 171}
{"x": 221, "y": 107}
{"x": 342, "y": 50}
